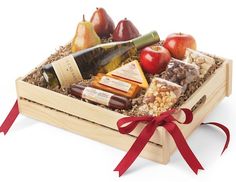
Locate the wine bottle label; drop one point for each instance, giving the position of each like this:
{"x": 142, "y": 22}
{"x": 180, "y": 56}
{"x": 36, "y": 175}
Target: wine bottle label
{"x": 67, "y": 71}
{"x": 98, "y": 96}
{"x": 114, "y": 83}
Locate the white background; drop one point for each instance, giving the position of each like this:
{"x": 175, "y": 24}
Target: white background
{"x": 32, "y": 151}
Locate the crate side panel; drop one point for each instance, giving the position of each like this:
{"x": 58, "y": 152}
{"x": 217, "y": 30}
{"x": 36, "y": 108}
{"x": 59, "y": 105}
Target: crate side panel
{"x": 88, "y": 129}
{"x": 215, "y": 82}
{"x": 201, "y": 113}
{"x": 78, "y": 108}
{"x": 215, "y": 89}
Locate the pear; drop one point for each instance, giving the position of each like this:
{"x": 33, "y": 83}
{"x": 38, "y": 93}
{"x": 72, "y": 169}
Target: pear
{"x": 85, "y": 36}
{"x": 102, "y": 22}
{"x": 125, "y": 30}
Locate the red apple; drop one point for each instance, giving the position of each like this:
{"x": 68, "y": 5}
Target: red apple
{"x": 177, "y": 43}
{"x": 154, "y": 59}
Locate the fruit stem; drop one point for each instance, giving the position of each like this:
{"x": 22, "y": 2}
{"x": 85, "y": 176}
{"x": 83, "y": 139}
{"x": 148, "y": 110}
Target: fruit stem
{"x": 155, "y": 47}
{"x": 83, "y": 17}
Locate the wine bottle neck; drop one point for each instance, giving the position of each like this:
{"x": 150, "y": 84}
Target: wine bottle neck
{"x": 146, "y": 40}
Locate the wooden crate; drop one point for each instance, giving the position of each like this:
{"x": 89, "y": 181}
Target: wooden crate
{"x": 99, "y": 123}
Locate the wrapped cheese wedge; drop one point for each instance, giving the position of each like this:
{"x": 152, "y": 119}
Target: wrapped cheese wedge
{"x": 160, "y": 96}
{"x": 132, "y": 72}
{"x": 203, "y": 61}
{"x": 181, "y": 73}
{"x": 115, "y": 85}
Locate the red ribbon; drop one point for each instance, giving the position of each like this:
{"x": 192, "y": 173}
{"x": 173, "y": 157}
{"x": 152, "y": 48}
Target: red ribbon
{"x": 166, "y": 120}
{"x": 11, "y": 117}
{"x": 225, "y": 130}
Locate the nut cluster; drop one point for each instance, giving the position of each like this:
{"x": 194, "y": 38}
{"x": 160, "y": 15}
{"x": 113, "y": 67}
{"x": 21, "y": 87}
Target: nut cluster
{"x": 181, "y": 73}
{"x": 160, "y": 96}
{"x": 203, "y": 61}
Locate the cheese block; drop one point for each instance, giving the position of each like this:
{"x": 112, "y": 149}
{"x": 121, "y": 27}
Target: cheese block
{"x": 131, "y": 71}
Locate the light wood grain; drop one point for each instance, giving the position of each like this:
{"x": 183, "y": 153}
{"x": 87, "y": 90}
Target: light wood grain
{"x": 77, "y": 107}
{"x": 229, "y": 72}
{"x": 88, "y": 129}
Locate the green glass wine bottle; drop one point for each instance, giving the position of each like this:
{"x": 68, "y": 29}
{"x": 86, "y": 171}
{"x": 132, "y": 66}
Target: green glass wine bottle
{"x": 101, "y": 58}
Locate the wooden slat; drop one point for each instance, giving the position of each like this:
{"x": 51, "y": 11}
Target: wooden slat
{"x": 76, "y": 107}
{"x": 229, "y": 73}
{"x": 88, "y": 129}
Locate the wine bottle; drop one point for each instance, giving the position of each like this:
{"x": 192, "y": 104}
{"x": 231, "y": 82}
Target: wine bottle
{"x": 101, "y": 58}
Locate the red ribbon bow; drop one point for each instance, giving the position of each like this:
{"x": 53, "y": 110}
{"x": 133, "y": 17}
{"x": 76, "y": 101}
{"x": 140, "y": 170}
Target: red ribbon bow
{"x": 166, "y": 120}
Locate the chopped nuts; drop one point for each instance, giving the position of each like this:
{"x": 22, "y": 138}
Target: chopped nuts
{"x": 160, "y": 96}
{"x": 203, "y": 61}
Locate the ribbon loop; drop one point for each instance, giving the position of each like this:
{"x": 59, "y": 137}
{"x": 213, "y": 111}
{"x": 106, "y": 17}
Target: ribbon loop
{"x": 125, "y": 125}
{"x": 187, "y": 113}
{"x": 188, "y": 116}
{"x": 166, "y": 120}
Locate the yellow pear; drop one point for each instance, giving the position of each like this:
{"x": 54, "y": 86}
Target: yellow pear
{"x": 85, "y": 36}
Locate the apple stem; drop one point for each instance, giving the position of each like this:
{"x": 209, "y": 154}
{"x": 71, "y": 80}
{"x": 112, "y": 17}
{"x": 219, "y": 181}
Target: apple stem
{"x": 83, "y": 17}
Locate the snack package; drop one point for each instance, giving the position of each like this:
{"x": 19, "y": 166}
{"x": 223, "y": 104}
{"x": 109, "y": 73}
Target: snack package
{"x": 160, "y": 96}
{"x": 181, "y": 73}
{"x": 203, "y": 61}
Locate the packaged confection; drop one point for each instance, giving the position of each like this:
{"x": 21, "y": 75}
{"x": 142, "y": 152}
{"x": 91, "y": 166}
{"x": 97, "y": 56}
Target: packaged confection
{"x": 203, "y": 61}
{"x": 181, "y": 73}
{"x": 160, "y": 96}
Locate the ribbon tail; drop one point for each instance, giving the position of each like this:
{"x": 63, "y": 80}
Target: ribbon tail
{"x": 136, "y": 148}
{"x": 11, "y": 117}
{"x": 183, "y": 147}
{"x": 226, "y": 131}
